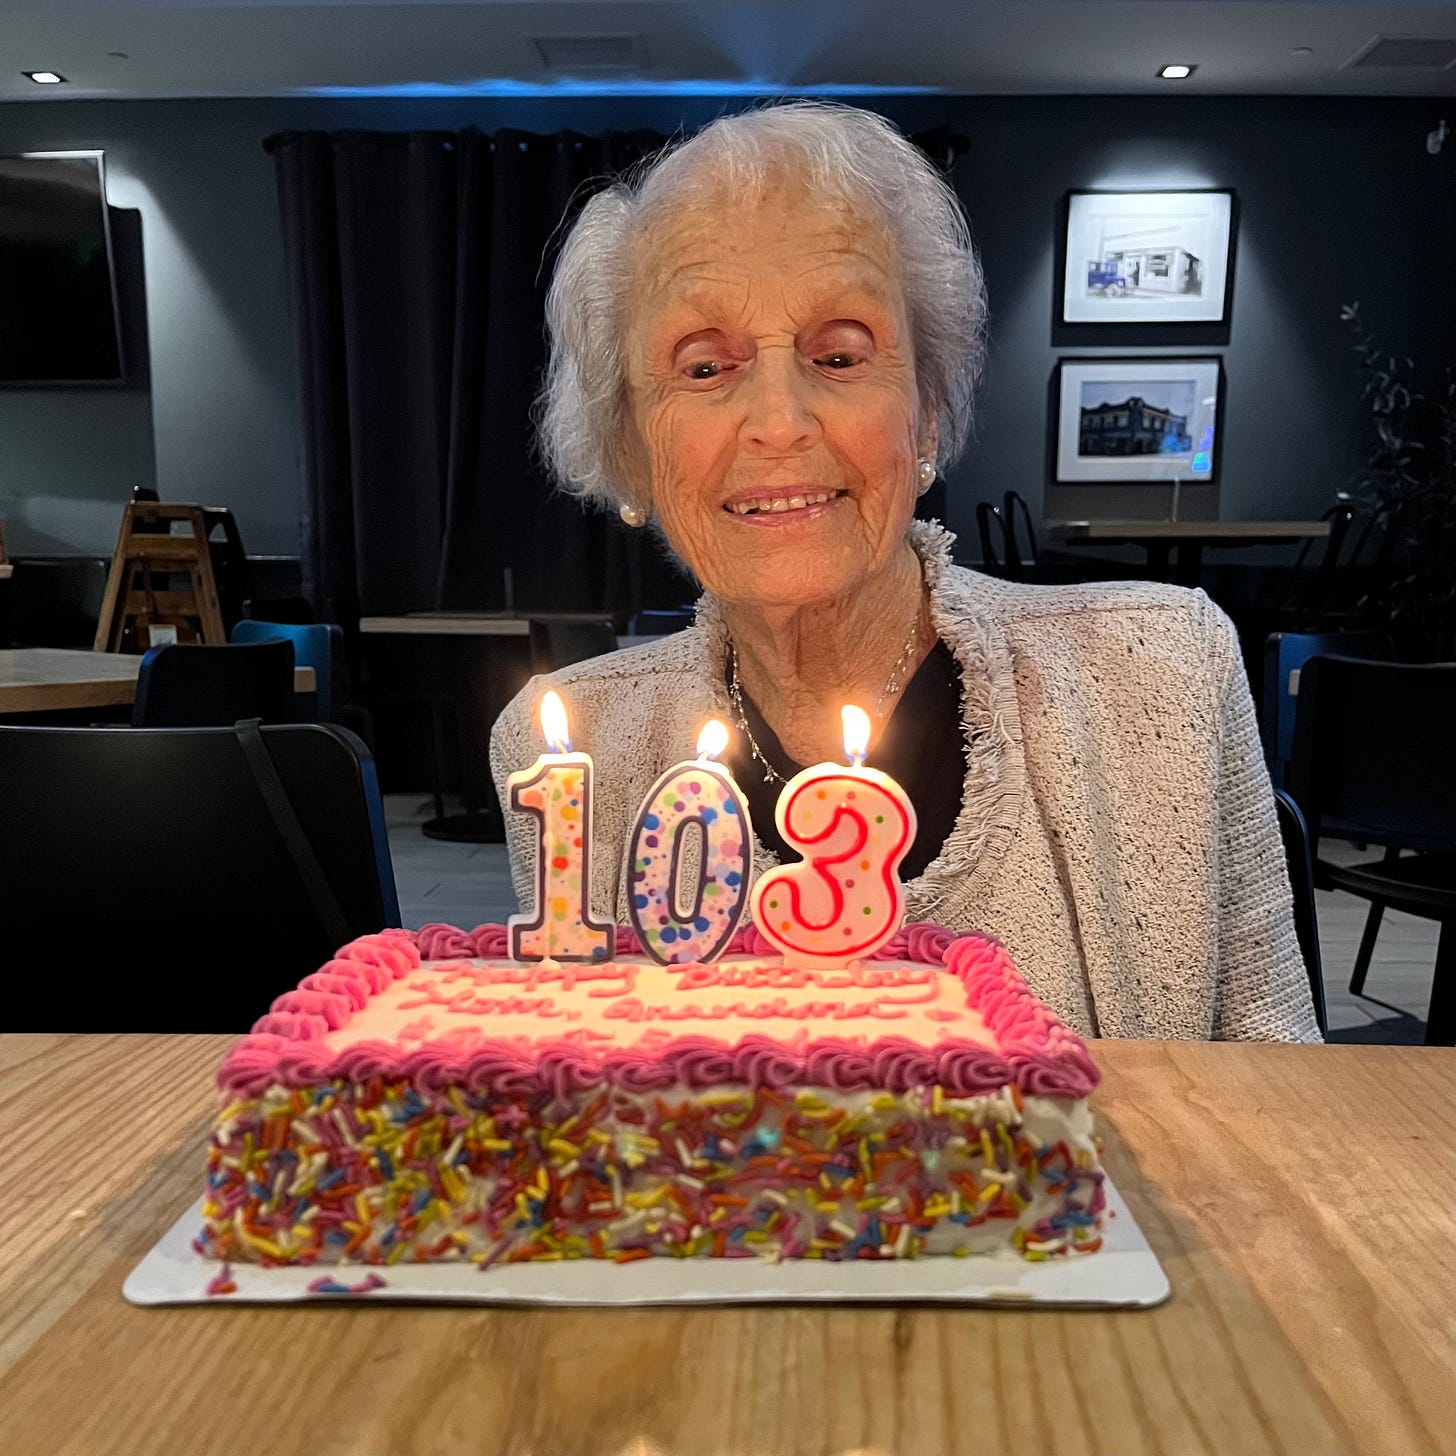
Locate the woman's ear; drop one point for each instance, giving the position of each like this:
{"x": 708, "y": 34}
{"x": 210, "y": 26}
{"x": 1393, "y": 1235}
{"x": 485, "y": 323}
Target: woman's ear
{"x": 634, "y": 468}
{"x": 929, "y": 437}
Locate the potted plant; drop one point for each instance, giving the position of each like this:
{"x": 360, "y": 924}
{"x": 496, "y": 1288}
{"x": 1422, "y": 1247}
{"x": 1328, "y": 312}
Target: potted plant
{"x": 1408, "y": 484}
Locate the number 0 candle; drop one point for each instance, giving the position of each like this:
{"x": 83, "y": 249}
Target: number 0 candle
{"x": 557, "y": 792}
{"x": 853, "y": 826}
{"x": 677, "y": 921}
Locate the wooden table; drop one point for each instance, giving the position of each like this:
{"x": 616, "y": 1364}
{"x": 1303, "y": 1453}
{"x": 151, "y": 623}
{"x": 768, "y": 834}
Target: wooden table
{"x": 468, "y": 624}
{"x": 1159, "y": 538}
{"x": 1300, "y": 1199}
{"x": 48, "y": 679}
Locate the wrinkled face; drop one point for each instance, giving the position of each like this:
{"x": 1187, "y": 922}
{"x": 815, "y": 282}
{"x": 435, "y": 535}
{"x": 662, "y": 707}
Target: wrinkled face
{"x": 773, "y": 394}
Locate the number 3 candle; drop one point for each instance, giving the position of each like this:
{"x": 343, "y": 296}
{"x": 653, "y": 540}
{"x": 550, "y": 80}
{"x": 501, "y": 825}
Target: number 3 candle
{"x": 557, "y": 792}
{"x": 700, "y": 796}
{"x": 853, "y": 825}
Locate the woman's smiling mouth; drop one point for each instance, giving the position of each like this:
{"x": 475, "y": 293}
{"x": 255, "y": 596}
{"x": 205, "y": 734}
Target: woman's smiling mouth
{"x": 761, "y": 505}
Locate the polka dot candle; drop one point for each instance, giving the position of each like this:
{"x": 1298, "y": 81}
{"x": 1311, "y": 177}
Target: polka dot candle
{"x": 853, "y": 825}
{"x": 557, "y": 792}
{"x": 677, "y": 921}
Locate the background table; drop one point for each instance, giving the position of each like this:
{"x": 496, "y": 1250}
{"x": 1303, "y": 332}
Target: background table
{"x": 48, "y": 679}
{"x": 1158, "y": 538}
{"x": 1299, "y": 1198}
{"x": 483, "y": 692}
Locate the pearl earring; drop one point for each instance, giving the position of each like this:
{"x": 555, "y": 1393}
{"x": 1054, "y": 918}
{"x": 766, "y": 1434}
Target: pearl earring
{"x": 632, "y": 516}
{"x": 926, "y": 470}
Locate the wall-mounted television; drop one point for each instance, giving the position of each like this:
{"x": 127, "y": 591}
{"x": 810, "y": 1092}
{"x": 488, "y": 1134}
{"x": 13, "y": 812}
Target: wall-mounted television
{"x": 59, "y": 320}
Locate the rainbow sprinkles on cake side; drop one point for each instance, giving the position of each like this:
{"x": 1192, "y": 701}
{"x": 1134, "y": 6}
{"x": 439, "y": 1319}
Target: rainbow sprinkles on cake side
{"x": 422, "y": 1097}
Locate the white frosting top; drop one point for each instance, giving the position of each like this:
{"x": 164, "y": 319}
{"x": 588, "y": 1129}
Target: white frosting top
{"x": 634, "y": 1001}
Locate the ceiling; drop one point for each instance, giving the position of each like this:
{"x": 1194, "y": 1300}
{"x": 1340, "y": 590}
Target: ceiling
{"x": 172, "y": 48}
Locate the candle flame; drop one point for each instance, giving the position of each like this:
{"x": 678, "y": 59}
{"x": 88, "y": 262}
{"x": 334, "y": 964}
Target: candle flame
{"x": 713, "y": 739}
{"x": 553, "y": 722}
{"x": 856, "y": 732}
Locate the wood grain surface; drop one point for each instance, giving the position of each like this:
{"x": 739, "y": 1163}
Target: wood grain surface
{"x": 1300, "y": 1199}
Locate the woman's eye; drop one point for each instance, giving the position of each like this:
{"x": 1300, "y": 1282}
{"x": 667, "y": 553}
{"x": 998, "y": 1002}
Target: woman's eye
{"x": 704, "y": 369}
{"x": 840, "y": 359}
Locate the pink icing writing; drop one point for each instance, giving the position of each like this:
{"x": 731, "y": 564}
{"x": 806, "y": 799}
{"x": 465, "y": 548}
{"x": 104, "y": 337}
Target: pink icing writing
{"x": 1036, "y": 1052}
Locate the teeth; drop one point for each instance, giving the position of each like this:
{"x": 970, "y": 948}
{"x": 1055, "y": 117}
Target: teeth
{"x": 781, "y": 503}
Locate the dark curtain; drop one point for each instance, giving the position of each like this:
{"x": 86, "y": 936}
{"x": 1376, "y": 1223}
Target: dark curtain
{"x": 418, "y": 265}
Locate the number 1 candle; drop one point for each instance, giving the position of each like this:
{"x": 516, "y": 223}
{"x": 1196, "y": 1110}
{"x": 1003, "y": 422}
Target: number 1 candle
{"x": 700, "y": 797}
{"x": 557, "y": 792}
{"x": 853, "y": 825}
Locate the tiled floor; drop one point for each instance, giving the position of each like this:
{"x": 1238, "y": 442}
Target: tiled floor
{"x": 467, "y": 884}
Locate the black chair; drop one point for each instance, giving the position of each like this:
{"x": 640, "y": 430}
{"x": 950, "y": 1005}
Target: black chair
{"x": 558, "y": 642}
{"x": 1295, "y": 591}
{"x": 1372, "y": 753}
{"x": 1285, "y": 654}
{"x": 1022, "y": 557}
{"x": 180, "y": 879}
{"x": 991, "y": 528}
{"x": 187, "y": 685}
{"x": 1299, "y": 861}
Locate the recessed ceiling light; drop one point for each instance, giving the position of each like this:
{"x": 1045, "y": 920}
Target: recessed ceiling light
{"x": 44, "y": 78}
{"x": 1302, "y": 51}
{"x": 1177, "y": 73}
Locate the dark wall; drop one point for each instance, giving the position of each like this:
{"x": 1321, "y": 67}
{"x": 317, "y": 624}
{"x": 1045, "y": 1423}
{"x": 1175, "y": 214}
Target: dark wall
{"x": 1338, "y": 200}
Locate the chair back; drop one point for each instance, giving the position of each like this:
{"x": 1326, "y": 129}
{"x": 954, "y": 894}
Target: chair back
{"x": 991, "y": 528}
{"x": 1372, "y": 750}
{"x": 558, "y": 643}
{"x": 188, "y": 685}
{"x": 1304, "y": 593}
{"x": 147, "y": 873}
{"x": 1020, "y": 534}
{"x": 1285, "y": 654}
{"x": 318, "y": 645}
{"x": 1299, "y": 860}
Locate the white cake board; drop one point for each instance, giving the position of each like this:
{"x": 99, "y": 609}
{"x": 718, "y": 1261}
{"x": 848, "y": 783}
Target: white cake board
{"x": 1123, "y": 1273}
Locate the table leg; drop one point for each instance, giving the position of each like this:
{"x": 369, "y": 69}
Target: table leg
{"x": 1190, "y": 563}
{"x": 481, "y": 666}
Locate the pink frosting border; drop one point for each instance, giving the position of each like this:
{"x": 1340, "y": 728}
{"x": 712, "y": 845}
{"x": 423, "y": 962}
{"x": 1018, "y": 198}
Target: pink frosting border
{"x": 1036, "y": 1052}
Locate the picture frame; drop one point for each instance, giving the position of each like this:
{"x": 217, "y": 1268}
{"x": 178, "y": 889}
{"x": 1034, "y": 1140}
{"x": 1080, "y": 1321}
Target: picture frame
{"x": 1131, "y": 420}
{"x": 1157, "y": 257}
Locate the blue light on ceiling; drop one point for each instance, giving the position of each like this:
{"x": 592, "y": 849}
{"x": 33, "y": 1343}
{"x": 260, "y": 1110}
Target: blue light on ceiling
{"x": 623, "y": 86}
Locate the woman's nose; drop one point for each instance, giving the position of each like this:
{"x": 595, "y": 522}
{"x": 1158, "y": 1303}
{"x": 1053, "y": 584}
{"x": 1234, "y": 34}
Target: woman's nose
{"x": 779, "y": 417}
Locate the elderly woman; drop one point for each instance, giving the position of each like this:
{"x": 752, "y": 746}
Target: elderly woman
{"x": 766, "y": 344}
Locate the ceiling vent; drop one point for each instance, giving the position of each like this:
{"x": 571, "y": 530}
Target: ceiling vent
{"x": 578, "y": 53}
{"x": 1407, "y": 52}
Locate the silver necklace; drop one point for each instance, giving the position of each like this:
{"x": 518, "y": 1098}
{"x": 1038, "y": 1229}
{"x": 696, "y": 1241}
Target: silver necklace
{"x": 892, "y": 687}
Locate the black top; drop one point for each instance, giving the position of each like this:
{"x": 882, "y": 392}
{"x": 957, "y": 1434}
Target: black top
{"x": 921, "y": 748}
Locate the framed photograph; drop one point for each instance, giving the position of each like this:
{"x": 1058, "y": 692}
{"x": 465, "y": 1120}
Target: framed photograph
{"x": 1121, "y": 421}
{"x": 1147, "y": 257}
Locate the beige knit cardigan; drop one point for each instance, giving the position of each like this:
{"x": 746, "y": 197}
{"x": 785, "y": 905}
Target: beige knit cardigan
{"x": 1117, "y": 830}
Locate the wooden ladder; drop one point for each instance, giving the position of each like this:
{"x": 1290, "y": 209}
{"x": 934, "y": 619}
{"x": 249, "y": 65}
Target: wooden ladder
{"x": 136, "y": 604}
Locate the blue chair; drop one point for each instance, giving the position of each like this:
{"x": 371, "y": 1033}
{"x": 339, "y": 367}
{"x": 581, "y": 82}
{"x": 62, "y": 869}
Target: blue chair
{"x": 188, "y": 685}
{"x": 1285, "y": 654}
{"x": 318, "y": 645}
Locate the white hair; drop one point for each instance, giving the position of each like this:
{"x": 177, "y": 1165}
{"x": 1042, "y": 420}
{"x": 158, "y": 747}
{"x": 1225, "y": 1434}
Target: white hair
{"x": 582, "y": 412}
